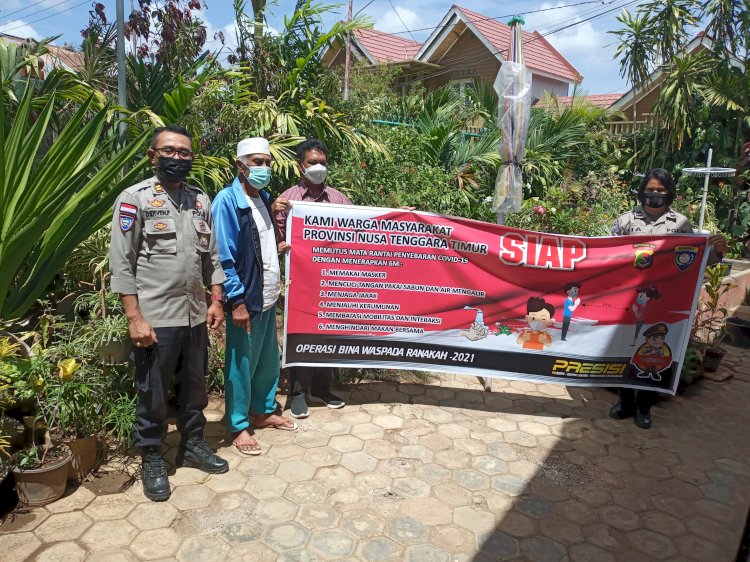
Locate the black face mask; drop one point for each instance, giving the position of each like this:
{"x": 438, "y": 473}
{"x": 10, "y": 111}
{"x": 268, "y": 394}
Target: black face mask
{"x": 656, "y": 200}
{"x": 173, "y": 169}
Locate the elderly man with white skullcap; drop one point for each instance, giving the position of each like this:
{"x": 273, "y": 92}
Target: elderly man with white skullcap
{"x": 248, "y": 248}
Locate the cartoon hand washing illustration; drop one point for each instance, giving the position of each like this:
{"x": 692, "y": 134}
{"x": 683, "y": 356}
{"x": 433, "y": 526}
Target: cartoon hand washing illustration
{"x": 477, "y": 330}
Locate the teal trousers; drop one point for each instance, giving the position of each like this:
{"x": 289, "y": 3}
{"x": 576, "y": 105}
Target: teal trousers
{"x": 251, "y": 370}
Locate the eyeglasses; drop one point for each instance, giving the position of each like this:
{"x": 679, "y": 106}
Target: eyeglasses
{"x": 170, "y": 151}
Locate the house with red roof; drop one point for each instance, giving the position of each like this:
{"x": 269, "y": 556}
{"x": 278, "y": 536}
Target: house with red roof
{"x": 463, "y": 46}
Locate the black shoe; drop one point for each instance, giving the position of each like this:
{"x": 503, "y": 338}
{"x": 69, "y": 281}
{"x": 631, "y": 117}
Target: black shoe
{"x": 195, "y": 452}
{"x": 621, "y": 411}
{"x": 299, "y": 406}
{"x": 643, "y": 419}
{"x": 328, "y": 398}
{"x": 154, "y": 475}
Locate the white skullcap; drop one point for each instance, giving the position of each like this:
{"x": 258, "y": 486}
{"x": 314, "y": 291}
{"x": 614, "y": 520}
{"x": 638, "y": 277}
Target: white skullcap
{"x": 254, "y": 145}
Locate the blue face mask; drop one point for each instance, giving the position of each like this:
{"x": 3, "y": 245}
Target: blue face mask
{"x": 258, "y": 176}
{"x": 642, "y": 299}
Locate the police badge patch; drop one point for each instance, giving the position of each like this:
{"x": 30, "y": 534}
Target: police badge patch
{"x": 126, "y": 222}
{"x": 684, "y": 256}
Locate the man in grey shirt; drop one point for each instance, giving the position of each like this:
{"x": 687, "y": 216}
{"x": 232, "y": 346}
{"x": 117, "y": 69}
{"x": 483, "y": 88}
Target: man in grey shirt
{"x": 162, "y": 257}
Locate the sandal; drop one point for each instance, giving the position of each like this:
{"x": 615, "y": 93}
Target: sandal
{"x": 293, "y": 427}
{"x": 247, "y": 449}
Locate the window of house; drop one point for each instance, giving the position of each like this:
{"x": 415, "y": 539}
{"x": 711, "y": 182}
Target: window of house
{"x": 463, "y": 86}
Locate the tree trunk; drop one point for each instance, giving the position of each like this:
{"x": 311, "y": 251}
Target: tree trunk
{"x": 258, "y": 9}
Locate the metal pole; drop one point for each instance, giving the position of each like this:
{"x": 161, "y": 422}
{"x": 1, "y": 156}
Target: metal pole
{"x": 121, "y": 60}
{"x": 348, "y": 56}
{"x": 705, "y": 189}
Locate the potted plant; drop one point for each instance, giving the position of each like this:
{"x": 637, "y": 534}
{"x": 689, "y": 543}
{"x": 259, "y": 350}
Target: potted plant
{"x": 106, "y": 330}
{"x": 709, "y": 327}
{"x": 41, "y": 467}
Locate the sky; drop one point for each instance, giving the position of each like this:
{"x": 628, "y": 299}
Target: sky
{"x": 586, "y": 43}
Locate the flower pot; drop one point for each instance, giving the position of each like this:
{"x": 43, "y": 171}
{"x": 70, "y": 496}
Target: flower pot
{"x": 115, "y": 352}
{"x": 85, "y": 457}
{"x": 712, "y": 358}
{"x": 39, "y": 486}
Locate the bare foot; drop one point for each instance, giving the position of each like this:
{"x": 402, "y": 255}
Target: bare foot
{"x": 246, "y": 443}
{"x": 274, "y": 421}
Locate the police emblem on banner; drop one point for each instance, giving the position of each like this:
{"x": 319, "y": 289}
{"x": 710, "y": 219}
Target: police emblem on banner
{"x": 684, "y": 256}
{"x": 644, "y": 255}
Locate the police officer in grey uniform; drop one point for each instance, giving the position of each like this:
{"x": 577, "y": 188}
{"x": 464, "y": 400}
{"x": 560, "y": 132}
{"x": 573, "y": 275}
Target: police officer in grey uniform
{"x": 654, "y": 216}
{"x": 162, "y": 256}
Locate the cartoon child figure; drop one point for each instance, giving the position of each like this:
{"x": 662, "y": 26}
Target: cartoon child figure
{"x": 571, "y": 303}
{"x": 645, "y": 295}
{"x": 539, "y": 315}
{"x": 477, "y": 330}
{"x": 654, "y": 355}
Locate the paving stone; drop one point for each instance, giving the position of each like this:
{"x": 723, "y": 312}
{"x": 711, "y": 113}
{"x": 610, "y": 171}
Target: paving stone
{"x": 24, "y": 519}
{"x": 453, "y": 431}
{"x": 367, "y": 431}
{"x": 542, "y": 549}
{"x": 253, "y": 552}
{"x": 474, "y": 520}
{"x": 317, "y": 516}
{"x": 156, "y": 543}
{"x": 535, "y": 506}
{"x": 429, "y": 511}
{"x": 411, "y": 487}
{"x": 433, "y": 473}
{"x": 249, "y": 530}
{"x": 265, "y": 487}
{"x": 509, "y": 484}
{"x": 107, "y": 508}
{"x": 619, "y": 518}
{"x": 379, "y": 549}
{"x": 79, "y": 499}
{"x": 489, "y": 465}
{"x": 652, "y": 544}
{"x": 17, "y": 547}
{"x": 452, "y": 494}
{"x": 62, "y": 527}
{"x": 406, "y": 531}
{"x": 276, "y": 510}
{"x": 452, "y": 459}
{"x": 346, "y": 443}
{"x": 194, "y": 496}
{"x": 362, "y": 523}
{"x": 452, "y": 539}
{"x": 333, "y": 543}
{"x": 335, "y": 477}
{"x": 498, "y": 545}
{"x": 436, "y": 442}
{"x": 61, "y": 552}
{"x": 663, "y": 523}
{"x": 109, "y": 535}
{"x": 502, "y": 451}
{"x": 696, "y": 548}
{"x": 231, "y": 481}
{"x": 258, "y": 466}
{"x": 589, "y": 553}
{"x": 311, "y": 439}
{"x": 358, "y": 462}
{"x": 286, "y": 451}
{"x": 119, "y": 555}
{"x": 471, "y": 479}
{"x": 295, "y": 471}
{"x": 561, "y": 530}
{"x": 303, "y": 493}
{"x": 354, "y": 418}
{"x": 322, "y": 456}
{"x": 388, "y": 421}
{"x": 418, "y": 452}
{"x": 153, "y": 515}
{"x": 296, "y": 556}
{"x": 518, "y": 525}
{"x": 502, "y": 424}
{"x": 200, "y": 549}
{"x": 690, "y": 474}
{"x": 335, "y": 428}
{"x": 286, "y": 536}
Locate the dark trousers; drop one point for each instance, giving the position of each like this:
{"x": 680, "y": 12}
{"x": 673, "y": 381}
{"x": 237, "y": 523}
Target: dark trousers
{"x": 180, "y": 353}
{"x": 310, "y": 379}
{"x": 641, "y": 399}
{"x": 565, "y": 326}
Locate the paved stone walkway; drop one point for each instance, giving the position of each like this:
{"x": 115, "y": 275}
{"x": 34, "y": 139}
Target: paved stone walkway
{"x": 438, "y": 472}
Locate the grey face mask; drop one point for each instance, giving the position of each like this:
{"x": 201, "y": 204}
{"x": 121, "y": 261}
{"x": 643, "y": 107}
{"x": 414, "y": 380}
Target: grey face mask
{"x": 536, "y": 325}
{"x": 316, "y": 173}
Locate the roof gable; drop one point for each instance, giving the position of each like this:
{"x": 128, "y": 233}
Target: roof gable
{"x": 539, "y": 54}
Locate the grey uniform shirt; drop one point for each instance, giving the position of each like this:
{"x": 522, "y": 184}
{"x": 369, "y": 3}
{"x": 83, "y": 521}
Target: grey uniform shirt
{"x": 163, "y": 250}
{"x": 638, "y": 221}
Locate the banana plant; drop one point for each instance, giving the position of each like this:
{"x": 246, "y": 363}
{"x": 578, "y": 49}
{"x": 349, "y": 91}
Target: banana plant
{"x": 56, "y": 188}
